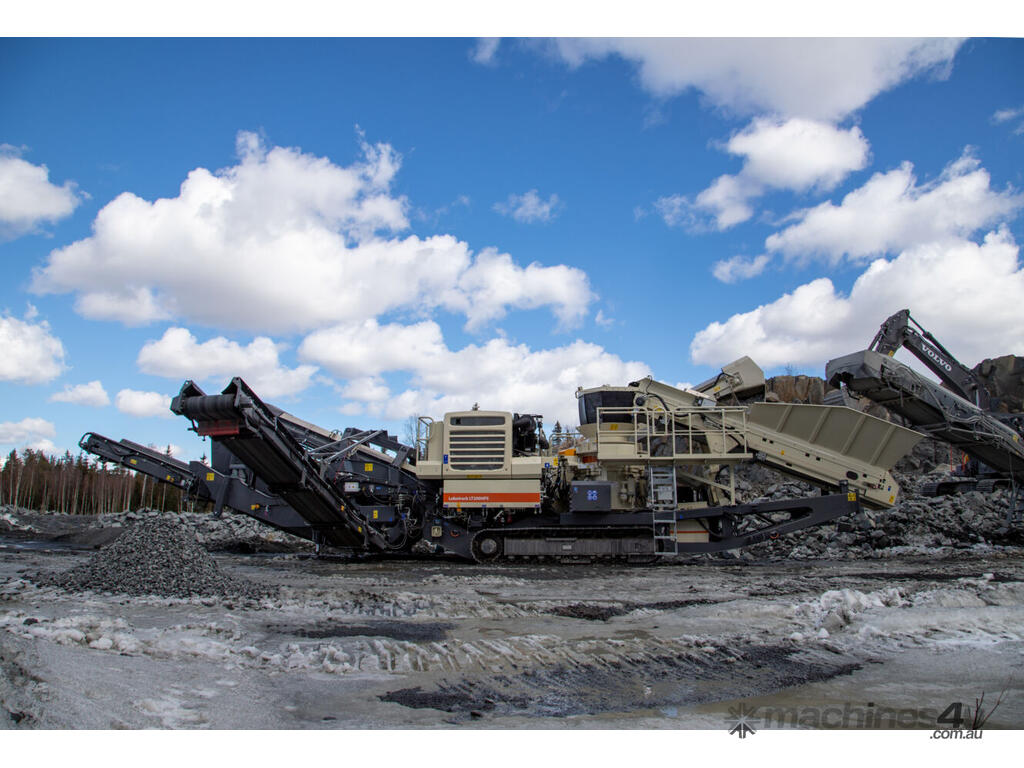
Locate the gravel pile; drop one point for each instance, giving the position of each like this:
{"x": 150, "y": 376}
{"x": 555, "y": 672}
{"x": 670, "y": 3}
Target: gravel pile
{"x": 154, "y": 557}
{"x": 230, "y": 532}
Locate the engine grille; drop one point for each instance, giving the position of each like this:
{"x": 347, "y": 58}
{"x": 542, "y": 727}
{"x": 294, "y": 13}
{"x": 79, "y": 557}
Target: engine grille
{"x": 476, "y": 450}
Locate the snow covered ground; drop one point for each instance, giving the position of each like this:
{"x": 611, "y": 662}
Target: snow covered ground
{"x": 427, "y": 644}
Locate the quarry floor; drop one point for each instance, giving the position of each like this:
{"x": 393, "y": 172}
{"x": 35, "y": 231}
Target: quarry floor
{"x": 429, "y": 644}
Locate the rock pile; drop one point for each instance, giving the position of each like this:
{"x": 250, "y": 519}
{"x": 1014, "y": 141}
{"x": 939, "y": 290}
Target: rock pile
{"x": 231, "y": 532}
{"x": 796, "y": 389}
{"x": 917, "y": 522}
{"x": 1004, "y": 379}
{"x": 228, "y": 533}
{"x": 154, "y": 557}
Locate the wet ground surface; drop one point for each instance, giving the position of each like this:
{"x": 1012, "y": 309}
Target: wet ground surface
{"x": 427, "y": 644}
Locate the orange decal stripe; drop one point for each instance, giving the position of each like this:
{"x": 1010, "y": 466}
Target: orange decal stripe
{"x": 491, "y": 498}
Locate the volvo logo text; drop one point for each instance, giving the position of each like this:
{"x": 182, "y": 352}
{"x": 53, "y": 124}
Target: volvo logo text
{"x": 936, "y": 358}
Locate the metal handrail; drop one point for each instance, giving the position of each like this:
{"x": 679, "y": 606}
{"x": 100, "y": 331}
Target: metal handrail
{"x": 646, "y": 424}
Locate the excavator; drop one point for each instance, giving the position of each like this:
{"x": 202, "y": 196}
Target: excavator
{"x": 959, "y": 412}
{"x": 649, "y": 473}
{"x": 903, "y": 331}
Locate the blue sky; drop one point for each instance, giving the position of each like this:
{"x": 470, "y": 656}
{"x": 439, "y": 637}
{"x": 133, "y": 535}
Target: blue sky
{"x": 371, "y": 228}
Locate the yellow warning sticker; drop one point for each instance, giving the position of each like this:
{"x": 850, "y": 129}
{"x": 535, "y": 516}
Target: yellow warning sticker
{"x": 210, "y": 477}
{"x": 851, "y": 497}
{"x": 133, "y": 461}
{"x": 375, "y": 515}
{"x": 170, "y": 478}
{"x": 613, "y": 427}
{"x": 367, "y": 467}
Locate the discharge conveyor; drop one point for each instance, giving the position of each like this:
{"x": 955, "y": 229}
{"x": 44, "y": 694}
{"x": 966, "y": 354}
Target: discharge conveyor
{"x": 253, "y": 432}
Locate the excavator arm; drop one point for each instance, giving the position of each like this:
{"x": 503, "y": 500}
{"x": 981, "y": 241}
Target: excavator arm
{"x": 899, "y": 331}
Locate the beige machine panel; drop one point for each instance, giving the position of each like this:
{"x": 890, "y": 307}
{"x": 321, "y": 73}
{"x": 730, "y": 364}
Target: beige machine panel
{"x": 831, "y": 444}
{"x": 843, "y": 430}
{"x": 477, "y": 443}
{"x": 740, "y": 377}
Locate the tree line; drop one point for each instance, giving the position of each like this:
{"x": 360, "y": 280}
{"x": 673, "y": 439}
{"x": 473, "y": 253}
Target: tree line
{"x": 81, "y": 485}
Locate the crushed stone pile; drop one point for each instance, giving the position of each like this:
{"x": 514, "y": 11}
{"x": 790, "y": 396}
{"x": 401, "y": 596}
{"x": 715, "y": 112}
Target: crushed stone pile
{"x": 231, "y": 532}
{"x": 155, "y": 557}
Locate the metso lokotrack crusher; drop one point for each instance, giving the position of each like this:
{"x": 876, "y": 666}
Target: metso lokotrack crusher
{"x": 649, "y": 473}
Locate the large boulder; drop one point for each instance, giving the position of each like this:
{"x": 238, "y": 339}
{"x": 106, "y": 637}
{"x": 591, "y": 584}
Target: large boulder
{"x": 1004, "y": 379}
{"x": 796, "y": 389}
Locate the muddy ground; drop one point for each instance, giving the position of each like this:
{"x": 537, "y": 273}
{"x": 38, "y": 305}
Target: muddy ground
{"x": 412, "y": 643}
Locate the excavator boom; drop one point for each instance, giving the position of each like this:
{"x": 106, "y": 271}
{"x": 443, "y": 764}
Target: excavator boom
{"x": 899, "y": 331}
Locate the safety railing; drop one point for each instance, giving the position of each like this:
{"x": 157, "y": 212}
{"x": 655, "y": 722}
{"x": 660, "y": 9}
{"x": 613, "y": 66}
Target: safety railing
{"x": 678, "y": 434}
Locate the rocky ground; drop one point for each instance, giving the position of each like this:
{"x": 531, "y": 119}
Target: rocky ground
{"x": 422, "y": 644}
{"x": 916, "y": 525}
{"x": 186, "y": 621}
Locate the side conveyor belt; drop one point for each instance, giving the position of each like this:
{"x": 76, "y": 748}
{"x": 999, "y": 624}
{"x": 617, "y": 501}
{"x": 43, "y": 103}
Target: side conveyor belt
{"x": 930, "y": 408}
{"x": 148, "y": 461}
{"x": 204, "y": 483}
{"x": 253, "y": 432}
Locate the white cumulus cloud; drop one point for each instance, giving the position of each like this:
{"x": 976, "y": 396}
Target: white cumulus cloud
{"x": 28, "y": 197}
{"x": 529, "y": 207}
{"x": 143, "y": 404}
{"x": 369, "y": 348}
{"x": 29, "y": 432}
{"x": 892, "y": 212}
{"x": 795, "y": 154}
{"x": 179, "y": 355}
{"x": 283, "y": 241}
{"x": 818, "y": 78}
{"x": 31, "y": 353}
{"x": 498, "y": 374}
{"x": 495, "y": 282}
{"x": 92, "y": 394}
{"x": 738, "y": 268}
{"x": 726, "y": 202}
{"x": 969, "y": 295}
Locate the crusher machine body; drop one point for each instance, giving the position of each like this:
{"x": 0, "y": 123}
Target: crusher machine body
{"x": 649, "y": 473}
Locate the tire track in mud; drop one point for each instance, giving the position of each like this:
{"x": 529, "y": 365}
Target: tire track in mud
{"x": 646, "y": 681}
